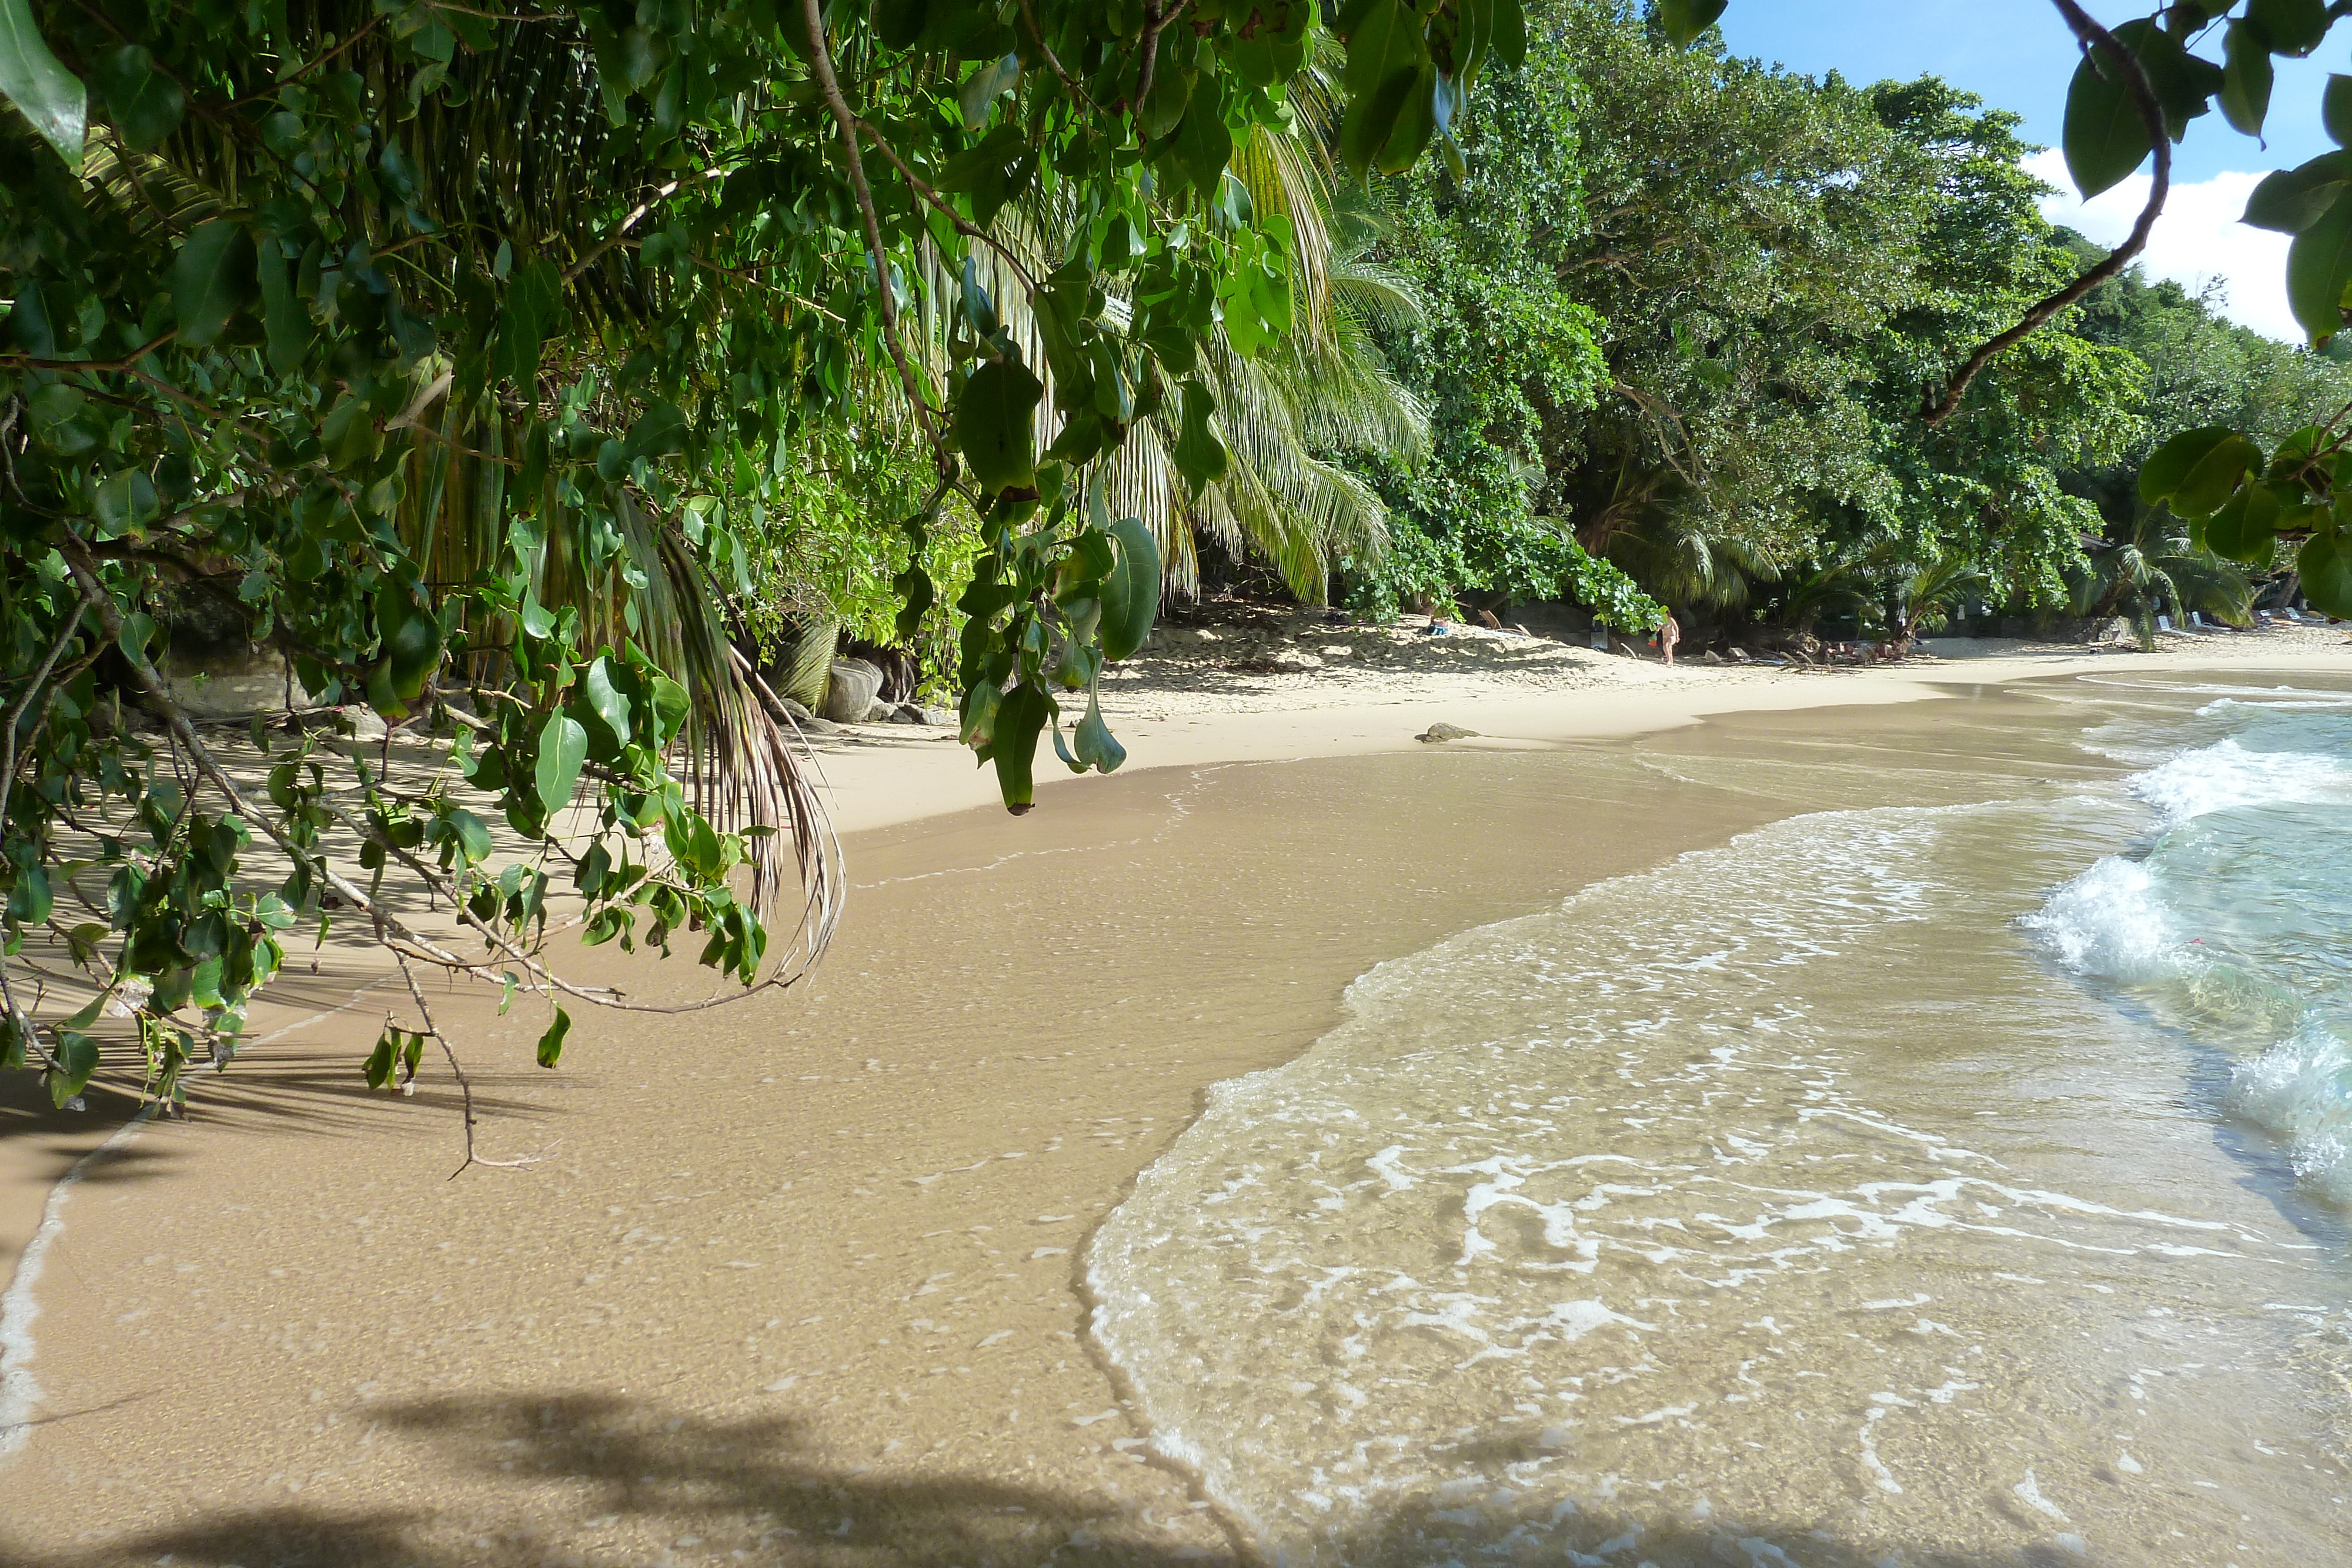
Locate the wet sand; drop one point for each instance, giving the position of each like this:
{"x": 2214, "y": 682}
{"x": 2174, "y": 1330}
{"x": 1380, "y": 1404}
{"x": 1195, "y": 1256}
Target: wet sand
{"x": 798, "y": 1282}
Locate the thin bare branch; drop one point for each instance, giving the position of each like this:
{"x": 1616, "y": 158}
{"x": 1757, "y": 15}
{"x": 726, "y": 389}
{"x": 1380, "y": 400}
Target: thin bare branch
{"x": 1934, "y": 409}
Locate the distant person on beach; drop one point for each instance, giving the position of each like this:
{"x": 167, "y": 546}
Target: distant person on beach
{"x": 1669, "y": 634}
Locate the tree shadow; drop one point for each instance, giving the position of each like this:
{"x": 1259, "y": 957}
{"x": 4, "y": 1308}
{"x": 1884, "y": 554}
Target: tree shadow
{"x": 582, "y": 1465}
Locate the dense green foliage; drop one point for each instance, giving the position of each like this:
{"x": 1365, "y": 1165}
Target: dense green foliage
{"x": 532, "y": 376}
{"x": 473, "y": 359}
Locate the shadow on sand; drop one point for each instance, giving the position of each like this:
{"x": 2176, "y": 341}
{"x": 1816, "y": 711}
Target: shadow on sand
{"x": 597, "y": 1479}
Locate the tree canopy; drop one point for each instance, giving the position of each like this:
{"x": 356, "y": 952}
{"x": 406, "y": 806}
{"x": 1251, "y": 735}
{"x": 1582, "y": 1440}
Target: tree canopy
{"x": 530, "y": 377}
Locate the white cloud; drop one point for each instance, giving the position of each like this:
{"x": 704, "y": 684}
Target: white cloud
{"x": 2198, "y": 238}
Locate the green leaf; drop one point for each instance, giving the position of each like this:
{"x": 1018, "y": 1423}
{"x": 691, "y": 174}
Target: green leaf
{"x": 2291, "y": 26}
{"x": 473, "y": 835}
{"x": 380, "y": 1060}
{"x": 126, "y": 501}
{"x": 562, "y": 747}
{"x": 605, "y": 701}
{"x": 138, "y": 627}
{"x": 2213, "y": 477}
{"x": 1021, "y": 717}
{"x": 144, "y": 104}
{"x": 1684, "y": 20}
{"x": 46, "y": 94}
{"x": 2246, "y": 528}
{"x": 77, "y": 1056}
{"x": 1507, "y": 40}
{"x": 671, "y": 704}
{"x": 1204, "y": 146}
{"x": 30, "y": 901}
{"x": 658, "y": 431}
{"x": 1201, "y": 457}
{"x": 2168, "y": 465}
{"x": 2325, "y": 568}
{"x": 1130, "y": 593}
{"x": 551, "y": 1044}
{"x": 1386, "y": 55}
{"x": 2105, "y": 136}
{"x": 212, "y": 278}
{"x": 996, "y": 426}
{"x": 900, "y": 22}
{"x": 2319, "y": 267}
{"x": 2245, "y": 79}
{"x": 2291, "y": 200}
{"x": 2335, "y": 109}
{"x": 1092, "y": 742}
{"x": 285, "y": 318}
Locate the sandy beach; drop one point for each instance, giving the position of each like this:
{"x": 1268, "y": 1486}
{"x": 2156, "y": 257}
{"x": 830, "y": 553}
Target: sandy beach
{"x": 803, "y": 1281}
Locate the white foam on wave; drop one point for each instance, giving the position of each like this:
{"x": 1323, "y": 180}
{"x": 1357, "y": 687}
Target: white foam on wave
{"x": 2111, "y": 922}
{"x": 2300, "y": 1090}
{"x": 2225, "y": 775}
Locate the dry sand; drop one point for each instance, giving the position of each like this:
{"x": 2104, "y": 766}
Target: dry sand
{"x": 799, "y": 1283}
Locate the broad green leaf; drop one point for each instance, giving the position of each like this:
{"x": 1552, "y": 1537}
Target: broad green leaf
{"x": 473, "y": 835}
{"x": 212, "y": 278}
{"x": 671, "y": 704}
{"x": 1021, "y": 717}
{"x": 551, "y": 1044}
{"x": 2318, "y": 269}
{"x": 126, "y": 501}
{"x": 2291, "y": 26}
{"x": 49, "y": 97}
{"x": 2212, "y": 478}
{"x": 2169, "y": 464}
{"x": 1201, "y": 457}
{"x": 2335, "y": 109}
{"x": 285, "y": 319}
{"x": 138, "y": 627}
{"x": 2291, "y": 200}
{"x": 1092, "y": 742}
{"x": 605, "y": 701}
{"x": 31, "y": 899}
{"x": 1386, "y": 53}
{"x": 2245, "y": 528}
{"x": 658, "y": 431}
{"x": 562, "y": 747}
{"x": 76, "y": 1057}
{"x": 380, "y": 1060}
{"x": 1508, "y": 39}
{"x": 1204, "y": 146}
{"x": 144, "y": 104}
{"x": 1130, "y": 593}
{"x": 2105, "y": 135}
{"x": 2246, "y": 80}
{"x": 900, "y": 22}
{"x": 2325, "y": 568}
{"x": 996, "y": 426}
{"x": 1684, "y": 20}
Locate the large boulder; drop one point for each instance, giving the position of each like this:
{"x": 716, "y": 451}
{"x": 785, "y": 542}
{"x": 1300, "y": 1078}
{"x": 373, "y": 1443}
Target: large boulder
{"x": 850, "y": 691}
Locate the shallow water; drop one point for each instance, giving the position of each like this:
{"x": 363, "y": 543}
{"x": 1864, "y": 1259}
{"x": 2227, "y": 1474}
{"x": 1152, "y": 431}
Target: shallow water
{"x": 1955, "y": 1175}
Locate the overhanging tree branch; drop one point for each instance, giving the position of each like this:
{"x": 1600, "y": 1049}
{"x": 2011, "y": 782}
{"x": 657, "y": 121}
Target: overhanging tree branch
{"x": 1934, "y": 409}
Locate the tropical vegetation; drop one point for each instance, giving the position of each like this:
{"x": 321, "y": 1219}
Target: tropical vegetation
{"x": 559, "y": 384}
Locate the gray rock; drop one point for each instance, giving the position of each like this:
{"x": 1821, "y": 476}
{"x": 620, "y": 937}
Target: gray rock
{"x": 850, "y": 690}
{"x": 881, "y": 712}
{"x": 365, "y": 723}
{"x": 1442, "y": 732}
{"x": 797, "y": 708}
{"x": 937, "y": 717}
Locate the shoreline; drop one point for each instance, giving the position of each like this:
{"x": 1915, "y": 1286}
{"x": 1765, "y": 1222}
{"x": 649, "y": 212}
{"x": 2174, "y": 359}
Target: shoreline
{"x": 885, "y": 776}
{"x": 1086, "y": 1472}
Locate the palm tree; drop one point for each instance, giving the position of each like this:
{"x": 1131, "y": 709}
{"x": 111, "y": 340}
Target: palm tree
{"x": 2155, "y": 568}
{"x": 1928, "y": 594}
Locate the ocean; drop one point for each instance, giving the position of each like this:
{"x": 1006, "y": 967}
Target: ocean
{"x": 1960, "y": 1174}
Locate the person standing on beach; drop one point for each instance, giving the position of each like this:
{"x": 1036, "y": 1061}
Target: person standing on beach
{"x": 1668, "y": 635}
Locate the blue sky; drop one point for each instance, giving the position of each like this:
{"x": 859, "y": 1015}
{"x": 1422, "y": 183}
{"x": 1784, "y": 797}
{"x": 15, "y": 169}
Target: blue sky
{"x": 2018, "y": 55}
